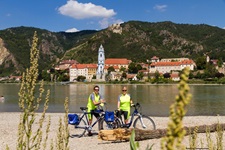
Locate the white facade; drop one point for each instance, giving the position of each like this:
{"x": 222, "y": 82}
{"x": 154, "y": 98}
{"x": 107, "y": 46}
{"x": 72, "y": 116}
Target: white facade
{"x": 101, "y": 63}
{"x": 167, "y": 67}
{"x": 73, "y": 74}
{"x": 78, "y": 70}
{"x": 173, "y": 59}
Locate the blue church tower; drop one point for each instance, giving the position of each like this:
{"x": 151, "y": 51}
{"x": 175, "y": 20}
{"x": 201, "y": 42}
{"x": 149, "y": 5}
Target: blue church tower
{"x": 101, "y": 63}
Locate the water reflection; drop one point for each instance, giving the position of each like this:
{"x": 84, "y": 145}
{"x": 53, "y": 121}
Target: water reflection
{"x": 207, "y": 100}
{"x": 155, "y": 99}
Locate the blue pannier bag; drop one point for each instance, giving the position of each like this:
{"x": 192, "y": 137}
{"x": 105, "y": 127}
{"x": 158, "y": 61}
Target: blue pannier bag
{"x": 73, "y": 119}
{"x": 109, "y": 116}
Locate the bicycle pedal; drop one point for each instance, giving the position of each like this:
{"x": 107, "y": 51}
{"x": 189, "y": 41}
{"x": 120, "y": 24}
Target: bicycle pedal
{"x": 125, "y": 126}
{"x": 90, "y": 134}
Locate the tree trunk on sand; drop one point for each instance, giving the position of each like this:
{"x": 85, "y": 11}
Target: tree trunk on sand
{"x": 124, "y": 134}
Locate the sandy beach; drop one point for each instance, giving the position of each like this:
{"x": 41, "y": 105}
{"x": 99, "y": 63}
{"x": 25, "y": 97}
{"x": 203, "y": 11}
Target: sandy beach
{"x": 9, "y": 125}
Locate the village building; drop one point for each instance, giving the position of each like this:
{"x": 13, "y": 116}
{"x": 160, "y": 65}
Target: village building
{"x": 168, "y": 66}
{"x": 154, "y": 59}
{"x": 100, "y": 70}
{"x": 173, "y": 59}
{"x": 65, "y": 64}
{"x": 86, "y": 70}
{"x": 117, "y": 63}
{"x": 175, "y": 76}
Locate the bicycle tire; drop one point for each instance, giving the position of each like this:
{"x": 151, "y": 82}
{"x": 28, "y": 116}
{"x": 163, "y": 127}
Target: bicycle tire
{"x": 77, "y": 130}
{"x": 149, "y": 124}
{"x": 109, "y": 125}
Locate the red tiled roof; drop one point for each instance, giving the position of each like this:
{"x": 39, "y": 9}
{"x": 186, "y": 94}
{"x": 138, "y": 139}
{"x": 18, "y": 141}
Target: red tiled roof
{"x": 82, "y": 66}
{"x": 188, "y": 62}
{"x": 130, "y": 75}
{"x": 176, "y": 75}
{"x": 154, "y": 57}
{"x": 175, "y": 63}
{"x": 115, "y": 67}
{"x": 69, "y": 62}
{"x": 122, "y": 61}
{"x": 91, "y": 65}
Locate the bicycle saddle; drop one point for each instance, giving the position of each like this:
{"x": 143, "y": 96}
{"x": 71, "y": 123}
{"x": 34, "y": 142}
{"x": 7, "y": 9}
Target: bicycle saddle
{"x": 83, "y": 108}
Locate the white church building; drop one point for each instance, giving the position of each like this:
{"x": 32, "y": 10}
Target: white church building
{"x": 100, "y": 75}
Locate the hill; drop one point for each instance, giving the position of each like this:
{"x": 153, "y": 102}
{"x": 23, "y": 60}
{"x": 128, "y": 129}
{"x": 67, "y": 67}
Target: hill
{"x": 134, "y": 40}
{"x": 15, "y": 46}
{"x": 142, "y": 40}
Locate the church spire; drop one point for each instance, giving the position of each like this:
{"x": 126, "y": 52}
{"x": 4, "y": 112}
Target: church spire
{"x": 101, "y": 62}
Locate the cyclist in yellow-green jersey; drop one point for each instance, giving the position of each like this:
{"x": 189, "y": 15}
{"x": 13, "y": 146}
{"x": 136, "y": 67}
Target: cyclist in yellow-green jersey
{"x": 124, "y": 103}
{"x": 94, "y": 100}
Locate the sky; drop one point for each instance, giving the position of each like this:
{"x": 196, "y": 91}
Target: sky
{"x": 77, "y": 15}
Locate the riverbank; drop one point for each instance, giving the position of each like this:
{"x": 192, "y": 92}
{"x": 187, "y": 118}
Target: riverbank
{"x": 9, "y": 125}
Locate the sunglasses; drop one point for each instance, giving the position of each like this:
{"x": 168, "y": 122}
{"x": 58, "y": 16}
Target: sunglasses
{"x": 124, "y": 90}
{"x": 96, "y": 89}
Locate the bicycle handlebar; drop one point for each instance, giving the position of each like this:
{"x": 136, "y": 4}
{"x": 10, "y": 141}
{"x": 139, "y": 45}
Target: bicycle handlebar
{"x": 137, "y": 105}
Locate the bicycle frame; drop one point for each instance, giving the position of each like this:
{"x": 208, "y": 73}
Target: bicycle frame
{"x": 135, "y": 113}
{"x": 89, "y": 126}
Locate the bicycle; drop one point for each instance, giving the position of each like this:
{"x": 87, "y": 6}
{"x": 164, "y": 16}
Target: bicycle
{"x": 79, "y": 124}
{"x": 141, "y": 121}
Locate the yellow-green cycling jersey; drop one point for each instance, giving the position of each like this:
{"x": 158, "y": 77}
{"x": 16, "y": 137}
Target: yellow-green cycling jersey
{"x": 124, "y": 102}
{"x": 90, "y": 105}
{"x": 91, "y": 98}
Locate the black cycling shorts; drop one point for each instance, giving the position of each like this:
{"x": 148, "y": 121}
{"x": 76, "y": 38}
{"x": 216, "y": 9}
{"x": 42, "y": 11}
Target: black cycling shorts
{"x": 96, "y": 114}
{"x": 124, "y": 113}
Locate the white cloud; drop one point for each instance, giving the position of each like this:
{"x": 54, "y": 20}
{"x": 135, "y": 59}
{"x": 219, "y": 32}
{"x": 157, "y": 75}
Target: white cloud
{"x": 161, "y": 8}
{"x": 72, "y": 30}
{"x": 223, "y": 27}
{"x": 85, "y": 10}
{"x": 106, "y": 22}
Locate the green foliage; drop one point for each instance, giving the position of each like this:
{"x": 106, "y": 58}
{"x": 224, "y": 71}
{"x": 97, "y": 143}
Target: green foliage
{"x": 134, "y": 67}
{"x": 124, "y": 75}
{"x": 133, "y": 145}
{"x": 30, "y": 131}
{"x": 111, "y": 69}
{"x": 45, "y": 75}
{"x": 27, "y": 137}
{"x": 52, "y": 47}
{"x": 201, "y": 63}
{"x": 81, "y": 78}
{"x": 193, "y": 138}
{"x": 140, "y": 75}
{"x": 157, "y": 75}
{"x": 122, "y": 69}
{"x": 175, "y": 132}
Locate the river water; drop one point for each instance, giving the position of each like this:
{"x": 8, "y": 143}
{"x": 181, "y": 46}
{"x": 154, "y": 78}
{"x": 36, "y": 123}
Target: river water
{"x": 155, "y": 99}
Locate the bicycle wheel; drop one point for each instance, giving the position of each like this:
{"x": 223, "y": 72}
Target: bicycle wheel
{"x": 109, "y": 125}
{"x": 77, "y": 130}
{"x": 145, "y": 123}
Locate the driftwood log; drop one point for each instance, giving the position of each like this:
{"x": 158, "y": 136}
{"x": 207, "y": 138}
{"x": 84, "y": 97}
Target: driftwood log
{"x": 122, "y": 134}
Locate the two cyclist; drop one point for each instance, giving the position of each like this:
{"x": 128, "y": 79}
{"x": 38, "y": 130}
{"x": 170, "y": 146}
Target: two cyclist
{"x": 95, "y": 99}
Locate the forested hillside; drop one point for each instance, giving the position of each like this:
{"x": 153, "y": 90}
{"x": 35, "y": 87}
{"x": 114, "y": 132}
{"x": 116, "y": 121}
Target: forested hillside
{"x": 142, "y": 40}
{"x": 52, "y": 47}
{"x": 137, "y": 41}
